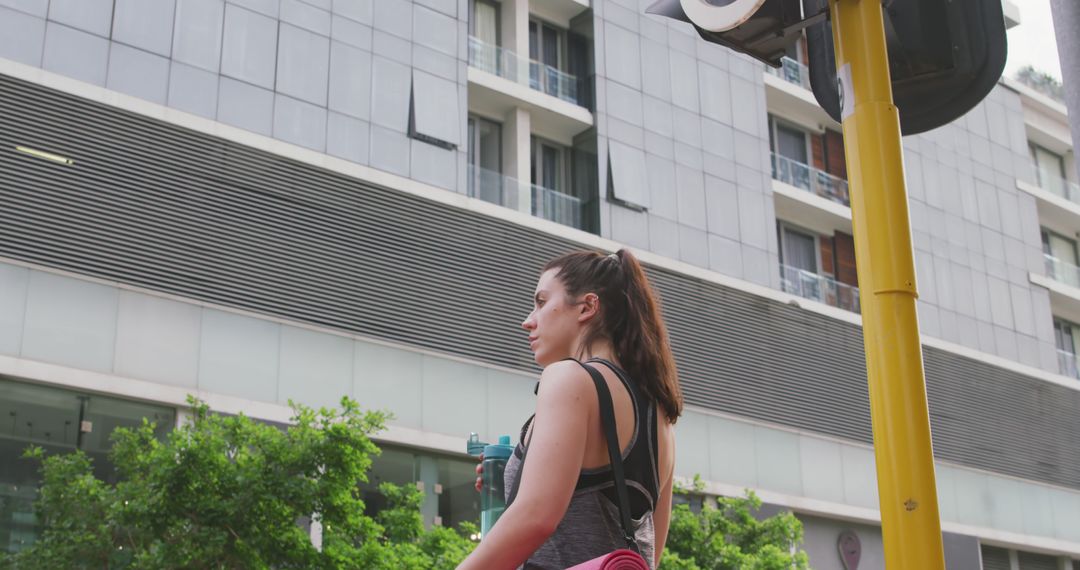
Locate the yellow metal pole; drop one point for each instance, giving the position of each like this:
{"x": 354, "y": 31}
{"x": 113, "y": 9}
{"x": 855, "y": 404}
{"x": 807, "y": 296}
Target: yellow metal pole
{"x": 910, "y": 523}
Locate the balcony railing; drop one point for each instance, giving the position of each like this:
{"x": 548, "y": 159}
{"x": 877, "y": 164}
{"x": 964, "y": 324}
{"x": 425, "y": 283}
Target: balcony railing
{"x": 1055, "y": 184}
{"x": 556, "y": 206}
{"x": 1062, "y": 271}
{"x": 509, "y": 65}
{"x": 819, "y": 288}
{"x": 549, "y": 204}
{"x": 792, "y": 72}
{"x": 1067, "y": 364}
{"x": 810, "y": 179}
{"x": 494, "y": 187}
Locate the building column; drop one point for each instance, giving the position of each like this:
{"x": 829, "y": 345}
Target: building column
{"x": 515, "y": 33}
{"x": 428, "y": 475}
{"x": 1066, "y": 14}
{"x": 517, "y": 163}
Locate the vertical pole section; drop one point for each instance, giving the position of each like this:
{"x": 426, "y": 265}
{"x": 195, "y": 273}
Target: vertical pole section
{"x": 910, "y": 523}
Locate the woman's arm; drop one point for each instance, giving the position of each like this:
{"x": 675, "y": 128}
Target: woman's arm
{"x": 555, "y": 455}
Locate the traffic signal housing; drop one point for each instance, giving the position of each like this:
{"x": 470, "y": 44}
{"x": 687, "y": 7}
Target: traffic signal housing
{"x": 944, "y": 56}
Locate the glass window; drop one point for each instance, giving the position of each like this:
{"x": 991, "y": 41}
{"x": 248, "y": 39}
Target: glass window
{"x": 548, "y": 165}
{"x": 485, "y": 163}
{"x": 447, "y": 484}
{"x": 485, "y": 21}
{"x": 545, "y": 44}
{"x": 1059, "y": 246}
{"x": 1049, "y": 170}
{"x": 799, "y": 249}
{"x": 547, "y": 55}
{"x": 1066, "y": 336}
{"x": 59, "y": 421}
{"x": 791, "y": 143}
{"x": 458, "y": 500}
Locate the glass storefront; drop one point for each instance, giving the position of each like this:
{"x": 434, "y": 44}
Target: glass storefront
{"x": 59, "y": 421}
{"x": 51, "y": 418}
{"x": 447, "y": 483}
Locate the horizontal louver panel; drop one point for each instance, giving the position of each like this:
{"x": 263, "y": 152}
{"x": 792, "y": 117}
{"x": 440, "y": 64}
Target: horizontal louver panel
{"x": 994, "y": 558}
{"x": 1031, "y": 561}
{"x": 162, "y": 207}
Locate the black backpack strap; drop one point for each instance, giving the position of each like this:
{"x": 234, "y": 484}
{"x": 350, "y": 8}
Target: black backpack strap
{"x": 611, "y": 434}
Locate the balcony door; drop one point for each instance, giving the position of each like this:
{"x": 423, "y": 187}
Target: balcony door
{"x": 799, "y": 262}
{"x": 552, "y": 197}
{"x": 1050, "y": 169}
{"x": 549, "y": 165}
{"x": 1067, "y": 338}
{"x": 1061, "y": 257}
{"x": 485, "y": 21}
{"x": 485, "y": 162}
{"x": 547, "y": 48}
{"x": 791, "y": 148}
{"x": 484, "y": 28}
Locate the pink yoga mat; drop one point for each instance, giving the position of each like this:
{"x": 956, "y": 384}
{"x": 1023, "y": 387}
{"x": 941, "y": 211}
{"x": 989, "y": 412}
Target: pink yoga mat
{"x": 619, "y": 560}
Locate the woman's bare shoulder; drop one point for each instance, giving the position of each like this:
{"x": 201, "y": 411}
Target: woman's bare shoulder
{"x": 564, "y": 376}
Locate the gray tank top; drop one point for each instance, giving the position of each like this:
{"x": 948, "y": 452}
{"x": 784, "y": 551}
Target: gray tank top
{"x": 590, "y": 527}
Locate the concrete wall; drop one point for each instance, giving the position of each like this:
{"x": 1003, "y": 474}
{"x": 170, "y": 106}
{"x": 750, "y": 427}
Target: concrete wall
{"x": 977, "y": 236}
{"x": 697, "y": 111}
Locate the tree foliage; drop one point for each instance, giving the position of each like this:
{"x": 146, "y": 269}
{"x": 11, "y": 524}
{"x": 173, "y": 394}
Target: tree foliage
{"x": 229, "y": 492}
{"x": 725, "y": 535}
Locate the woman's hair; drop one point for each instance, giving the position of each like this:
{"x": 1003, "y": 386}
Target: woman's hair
{"x": 629, "y": 317}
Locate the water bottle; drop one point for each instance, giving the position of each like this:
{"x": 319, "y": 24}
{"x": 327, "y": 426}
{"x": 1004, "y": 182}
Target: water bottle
{"x": 492, "y": 493}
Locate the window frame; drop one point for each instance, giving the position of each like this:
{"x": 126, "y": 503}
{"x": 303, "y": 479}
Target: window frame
{"x": 498, "y": 19}
{"x": 775, "y": 124}
{"x": 785, "y": 226}
{"x": 1047, "y": 233}
{"x": 563, "y": 166}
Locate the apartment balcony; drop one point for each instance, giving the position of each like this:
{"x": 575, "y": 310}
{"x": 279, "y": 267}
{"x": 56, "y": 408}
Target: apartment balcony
{"x": 1067, "y": 364}
{"x": 1062, "y": 271}
{"x": 544, "y": 203}
{"x": 508, "y": 65}
{"x": 1057, "y": 199}
{"x": 819, "y": 288}
{"x": 1058, "y": 186}
{"x": 809, "y": 197}
{"x": 494, "y": 187}
{"x": 501, "y": 80}
{"x": 558, "y": 207}
{"x": 788, "y": 95}
{"x": 810, "y": 179}
{"x": 1062, "y": 280}
{"x": 791, "y": 71}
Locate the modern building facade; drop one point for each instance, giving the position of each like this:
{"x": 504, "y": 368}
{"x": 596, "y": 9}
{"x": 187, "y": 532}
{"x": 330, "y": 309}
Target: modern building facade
{"x": 254, "y": 201}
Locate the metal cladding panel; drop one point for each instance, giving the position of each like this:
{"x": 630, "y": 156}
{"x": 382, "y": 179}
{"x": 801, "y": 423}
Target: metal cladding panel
{"x": 163, "y": 207}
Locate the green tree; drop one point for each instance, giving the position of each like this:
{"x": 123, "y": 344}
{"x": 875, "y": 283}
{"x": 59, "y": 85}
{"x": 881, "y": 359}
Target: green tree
{"x": 725, "y": 535}
{"x": 229, "y": 492}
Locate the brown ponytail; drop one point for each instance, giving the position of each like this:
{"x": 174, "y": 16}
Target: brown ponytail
{"x": 629, "y": 317}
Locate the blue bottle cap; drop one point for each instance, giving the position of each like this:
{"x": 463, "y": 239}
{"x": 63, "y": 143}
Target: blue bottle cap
{"x": 475, "y": 446}
{"x": 501, "y": 450}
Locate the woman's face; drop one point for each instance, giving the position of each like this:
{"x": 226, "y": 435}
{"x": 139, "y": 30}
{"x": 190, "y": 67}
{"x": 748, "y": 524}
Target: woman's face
{"x": 555, "y": 323}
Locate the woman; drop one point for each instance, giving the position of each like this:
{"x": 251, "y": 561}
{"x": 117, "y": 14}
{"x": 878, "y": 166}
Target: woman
{"x": 600, "y": 310}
